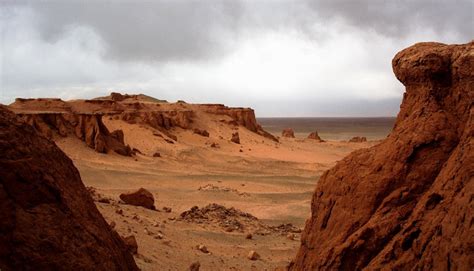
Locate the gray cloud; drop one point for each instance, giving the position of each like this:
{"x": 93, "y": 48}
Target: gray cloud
{"x": 201, "y": 30}
{"x": 145, "y": 30}
{"x": 399, "y": 18}
{"x": 286, "y": 58}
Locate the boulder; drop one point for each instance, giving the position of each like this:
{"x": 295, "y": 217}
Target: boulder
{"x": 406, "y": 203}
{"x": 288, "y": 132}
{"x": 131, "y": 243}
{"x": 48, "y": 220}
{"x": 141, "y": 197}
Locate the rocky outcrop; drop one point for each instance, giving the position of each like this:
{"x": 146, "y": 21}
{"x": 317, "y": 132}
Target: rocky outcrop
{"x": 243, "y": 116}
{"x": 315, "y": 136}
{"x": 200, "y": 132}
{"x": 87, "y": 127}
{"x": 288, "y": 132}
{"x": 160, "y": 119}
{"x": 48, "y": 220}
{"x": 235, "y": 138}
{"x": 358, "y": 139}
{"x": 141, "y": 197}
{"x": 406, "y": 203}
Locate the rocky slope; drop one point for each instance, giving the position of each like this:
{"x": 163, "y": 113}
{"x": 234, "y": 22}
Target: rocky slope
{"x": 48, "y": 220}
{"x": 405, "y": 204}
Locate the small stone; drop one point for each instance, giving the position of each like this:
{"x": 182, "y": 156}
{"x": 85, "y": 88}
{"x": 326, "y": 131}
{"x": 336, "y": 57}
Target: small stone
{"x": 194, "y": 266}
{"x": 253, "y": 256}
{"x": 112, "y": 225}
{"x": 167, "y": 209}
{"x": 104, "y": 200}
{"x": 119, "y": 211}
{"x": 248, "y": 236}
{"x": 203, "y": 248}
{"x": 291, "y": 236}
{"x": 159, "y": 236}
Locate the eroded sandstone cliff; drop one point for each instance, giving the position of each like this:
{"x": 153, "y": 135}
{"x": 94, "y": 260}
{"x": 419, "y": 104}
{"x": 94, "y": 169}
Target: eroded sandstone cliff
{"x": 48, "y": 220}
{"x": 407, "y": 203}
{"x": 87, "y": 127}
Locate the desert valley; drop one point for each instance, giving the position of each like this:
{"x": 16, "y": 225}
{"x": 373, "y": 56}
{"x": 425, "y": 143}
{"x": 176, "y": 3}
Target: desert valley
{"x": 204, "y": 187}
{"x": 237, "y": 135}
{"x": 206, "y": 155}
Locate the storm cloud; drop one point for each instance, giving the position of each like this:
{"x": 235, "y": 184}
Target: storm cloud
{"x": 283, "y": 58}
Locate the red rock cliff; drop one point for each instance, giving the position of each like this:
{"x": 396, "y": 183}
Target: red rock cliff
{"x": 407, "y": 203}
{"x": 87, "y": 127}
{"x": 48, "y": 220}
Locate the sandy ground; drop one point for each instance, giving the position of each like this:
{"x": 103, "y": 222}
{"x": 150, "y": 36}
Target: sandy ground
{"x": 272, "y": 181}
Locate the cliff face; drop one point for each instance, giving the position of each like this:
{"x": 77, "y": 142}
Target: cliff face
{"x": 87, "y": 127}
{"x": 406, "y": 203}
{"x": 48, "y": 220}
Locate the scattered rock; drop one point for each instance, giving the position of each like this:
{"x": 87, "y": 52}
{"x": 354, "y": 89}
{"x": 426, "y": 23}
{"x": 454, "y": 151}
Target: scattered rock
{"x": 248, "y": 236}
{"x": 201, "y": 132}
{"x": 135, "y": 151}
{"x": 119, "y": 211}
{"x": 194, "y": 266}
{"x": 215, "y": 145}
{"x": 167, "y": 209}
{"x": 253, "y": 256}
{"x": 358, "y": 139}
{"x": 104, "y": 200}
{"x": 215, "y": 188}
{"x": 112, "y": 225}
{"x": 156, "y": 154}
{"x": 141, "y": 197}
{"x": 235, "y": 138}
{"x": 288, "y": 132}
{"x": 203, "y": 248}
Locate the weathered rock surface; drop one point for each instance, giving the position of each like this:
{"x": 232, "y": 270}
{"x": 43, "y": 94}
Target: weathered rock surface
{"x": 201, "y": 132}
{"x": 48, "y": 220}
{"x": 358, "y": 139}
{"x": 407, "y": 203}
{"x": 235, "y": 138}
{"x": 141, "y": 197}
{"x": 315, "y": 136}
{"x": 288, "y": 132}
{"x": 87, "y": 127}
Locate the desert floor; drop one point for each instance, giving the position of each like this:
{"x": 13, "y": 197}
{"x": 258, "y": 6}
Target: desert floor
{"x": 272, "y": 181}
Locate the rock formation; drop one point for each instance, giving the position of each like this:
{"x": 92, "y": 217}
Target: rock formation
{"x": 358, "y": 139}
{"x": 141, "y": 197}
{"x": 87, "y": 127}
{"x": 48, "y": 220}
{"x": 235, "y": 138}
{"x": 315, "y": 136}
{"x": 407, "y": 203}
{"x": 288, "y": 132}
{"x": 200, "y": 132}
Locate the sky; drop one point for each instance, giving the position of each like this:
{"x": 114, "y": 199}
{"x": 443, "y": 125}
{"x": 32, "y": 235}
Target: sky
{"x": 299, "y": 58}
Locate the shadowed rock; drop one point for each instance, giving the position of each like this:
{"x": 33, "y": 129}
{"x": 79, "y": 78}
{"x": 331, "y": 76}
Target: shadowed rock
{"x": 141, "y": 197}
{"x": 405, "y": 204}
{"x": 48, "y": 220}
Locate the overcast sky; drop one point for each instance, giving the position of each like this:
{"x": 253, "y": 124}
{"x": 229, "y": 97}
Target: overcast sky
{"x": 282, "y": 58}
